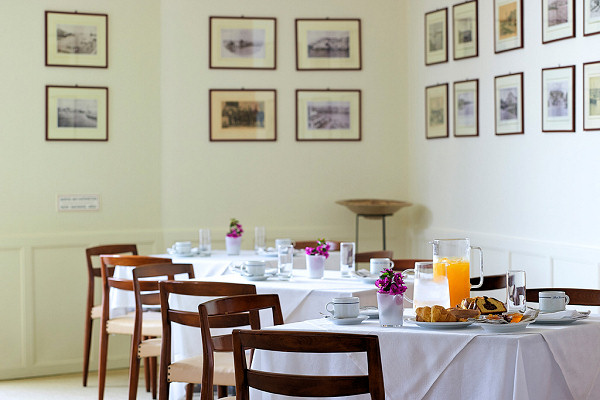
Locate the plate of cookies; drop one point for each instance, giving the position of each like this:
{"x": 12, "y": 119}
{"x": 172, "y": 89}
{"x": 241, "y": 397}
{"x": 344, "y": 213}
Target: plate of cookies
{"x": 439, "y": 317}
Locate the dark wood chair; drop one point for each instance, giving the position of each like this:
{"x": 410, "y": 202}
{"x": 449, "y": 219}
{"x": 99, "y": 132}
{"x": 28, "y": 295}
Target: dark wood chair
{"x": 146, "y": 294}
{"x": 490, "y": 282}
{"x": 94, "y": 311}
{"x": 302, "y": 244}
{"x": 191, "y": 370}
{"x": 577, "y": 297}
{"x": 402, "y": 264}
{"x": 307, "y": 385}
{"x": 151, "y": 327}
{"x": 367, "y": 255}
{"x": 230, "y": 312}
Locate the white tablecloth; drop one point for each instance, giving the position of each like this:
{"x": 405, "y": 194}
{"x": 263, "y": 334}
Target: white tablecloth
{"x": 543, "y": 362}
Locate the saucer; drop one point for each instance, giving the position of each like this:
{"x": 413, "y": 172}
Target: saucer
{"x": 175, "y": 254}
{"x": 371, "y": 312}
{"x": 256, "y": 277}
{"x": 347, "y": 321}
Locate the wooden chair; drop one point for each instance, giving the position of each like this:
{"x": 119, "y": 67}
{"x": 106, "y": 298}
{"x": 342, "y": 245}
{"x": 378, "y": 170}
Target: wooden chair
{"x": 307, "y": 385}
{"x": 230, "y": 312}
{"x": 490, "y": 282}
{"x": 577, "y": 297}
{"x": 92, "y": 310}
{"x": 367, "y": 255}
{"x": 146, "y": 294}
{"x": 191, "y": 370}
{"x": 302, "y": 244}
{"x": 401, "y": 264}
{"x": 151, "y": 326}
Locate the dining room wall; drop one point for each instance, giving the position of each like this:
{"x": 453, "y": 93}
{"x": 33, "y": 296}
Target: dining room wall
{"x": 529, "y": 200}
{"x": 290, "y": 187}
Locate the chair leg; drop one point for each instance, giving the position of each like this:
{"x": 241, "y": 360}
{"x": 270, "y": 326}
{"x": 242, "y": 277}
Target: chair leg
{"x": 189, "y": 391}
{"x": 102, "y": 362}
{"x": 147, "y": 373}
{"x": 221, "y": 391}
{"x": 154, "y": 375}
{"x": 87, "y": 343}
{"x": 134, "y": 372}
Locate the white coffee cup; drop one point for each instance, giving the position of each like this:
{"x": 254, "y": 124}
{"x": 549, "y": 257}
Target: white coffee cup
{"x": 283, "y": 242}
{"x": 553, "y": 301}
{"x": 379, "y": 264}
{"x": 255, "y": 268}
{"x": 182, "y": 247}
{"x": 344, "y": 307}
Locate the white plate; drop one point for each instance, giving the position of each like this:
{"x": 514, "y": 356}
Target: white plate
{"x": 370, "y": 312}
{"x": 504, "y": 328}
{"x": 439, "y": 325}
{"x": 347, "y": 321}
{"x": 561, "y": 321}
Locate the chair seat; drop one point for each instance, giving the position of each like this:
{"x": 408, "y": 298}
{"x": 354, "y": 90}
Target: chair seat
{"x": 149, "y": 348}
{"x": 228, "y": 398}
{"x": 151, "y": 326}
{"x": 190, "y": 370}
{"x": 96, "y": 312}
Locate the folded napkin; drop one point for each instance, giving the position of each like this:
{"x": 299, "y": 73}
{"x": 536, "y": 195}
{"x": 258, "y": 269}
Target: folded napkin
{"x": 566, "y": 314}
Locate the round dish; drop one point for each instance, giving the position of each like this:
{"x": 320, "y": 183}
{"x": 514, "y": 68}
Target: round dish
{"x": 560, "y": 321}
{"x": 256, "y": 277}
{"x": 504, "y": 328}
{"x": 370, "y": 312}
{"x": 439, "y": 325}
{"x": 347, "y": 321}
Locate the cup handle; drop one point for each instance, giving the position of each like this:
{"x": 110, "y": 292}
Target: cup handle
{"x": 567, "y": 299}
{"x": 391, "y": 264}
{"x": 403, "y": 273}
{"x": 480, "y": 268}
{"x": 327, "y": 308}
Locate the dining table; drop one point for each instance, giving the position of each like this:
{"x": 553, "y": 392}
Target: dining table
{"x": 539, "y": 362}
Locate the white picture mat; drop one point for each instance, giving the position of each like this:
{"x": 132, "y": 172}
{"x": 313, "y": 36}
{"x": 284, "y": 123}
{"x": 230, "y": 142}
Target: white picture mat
{"x": 465, "y": 11}
{"x": 468, "y": 126}
{"x": 592, "y": 22}
{"x": 306, "y": 62}
{"x": 219, "y": 25}
{"x": 438, "y": 95}
{"x": 512, "y": 42}
{"x": 440, "y": 55}
{"x": 591, "y": 81}
{"x": 100, "y": 95}
{"x": 306, "y": 97}
{"x": 504, "y": 83}
{"x": 559, "y": 31}
{"x": 562, "y": 77}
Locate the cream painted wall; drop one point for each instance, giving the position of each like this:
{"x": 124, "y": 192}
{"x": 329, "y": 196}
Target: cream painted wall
{"x": 288, "y": 186}
{"x": 530, "y": 200}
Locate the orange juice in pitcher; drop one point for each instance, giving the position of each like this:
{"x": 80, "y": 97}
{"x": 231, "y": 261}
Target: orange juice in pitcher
{"x": 454, "y": 255}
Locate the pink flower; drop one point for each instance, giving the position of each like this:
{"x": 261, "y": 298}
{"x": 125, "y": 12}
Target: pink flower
{"x": 390, "y": 282}
{"x": 322, "y": 249}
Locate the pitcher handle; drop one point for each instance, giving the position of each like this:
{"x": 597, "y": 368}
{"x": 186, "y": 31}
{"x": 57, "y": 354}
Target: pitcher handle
{"x": 404, "y": 276}
{"x": 480, "y": 267}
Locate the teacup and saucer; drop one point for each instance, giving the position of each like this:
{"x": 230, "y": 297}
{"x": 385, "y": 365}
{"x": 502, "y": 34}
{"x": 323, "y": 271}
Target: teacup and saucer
{"x": 255, "y": 270}
{"x": 181, "y": 249}
{"x": 345, "y": 311}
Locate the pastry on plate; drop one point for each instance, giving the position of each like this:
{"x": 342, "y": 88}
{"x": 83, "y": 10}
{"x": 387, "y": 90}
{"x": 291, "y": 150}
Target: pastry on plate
{"x": 485, "y": 305}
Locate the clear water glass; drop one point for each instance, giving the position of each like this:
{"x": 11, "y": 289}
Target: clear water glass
{"x": 515, "y": 291}
{"x": 260, "y": 239}
{"x": 347, "y": 251}
{"x": 285, "y": 261}
{"x": 204, "y": 246}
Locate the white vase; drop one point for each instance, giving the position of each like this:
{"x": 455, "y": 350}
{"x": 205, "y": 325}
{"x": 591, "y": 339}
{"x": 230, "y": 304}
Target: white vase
{"x": 391, "y": 309}
{"x": 233, "y": 245}
{"x": 315, "y": 264}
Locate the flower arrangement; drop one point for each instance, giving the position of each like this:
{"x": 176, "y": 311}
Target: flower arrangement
{"x": 390, "y": 282}
{"x": 235, "y": 228}
{"x": 322, "y": 249}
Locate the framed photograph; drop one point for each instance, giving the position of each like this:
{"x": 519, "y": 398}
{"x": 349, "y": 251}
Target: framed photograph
{"x": 243, "y": 43}
{"x": 558, "y": 99}
{"x": 436, "y": 111}
{"x": 508, "y": 25}
{"x": 328, "y": 115}
{"x": 77, "y": 113}
{"x": 591, "y": 96}
{"x": 466, "y": 31}
{"x": 328, "y": 44}
{"x": 558, "y": 20}
{"x": 436, "y": 37}
{"x": 509, "y": 104}
{"x": 466, "y": 108}
{"x": 243, "y": 115}
{"x": 76, "y": 39}
{"x": 591, "y": 17}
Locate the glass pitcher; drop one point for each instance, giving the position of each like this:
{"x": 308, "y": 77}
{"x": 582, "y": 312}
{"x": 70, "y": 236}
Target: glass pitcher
{"x": 430, "y": 285}
{"x": 456, "y": 255}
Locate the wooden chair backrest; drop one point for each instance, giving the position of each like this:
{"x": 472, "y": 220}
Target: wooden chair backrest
{"x": 490, "y": 282}
{"x": 307, "y": 385}
{"x": 578, "y": 297}
{"x": 302, "y": 244}
{"x": 367, "y": 255}
{"x": 401, "y": 264}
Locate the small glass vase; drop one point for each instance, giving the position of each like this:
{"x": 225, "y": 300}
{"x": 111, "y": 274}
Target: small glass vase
{"x": 391, "y": 309}
{"x": 315, "y": 264}
{"x": 233, "y": 245}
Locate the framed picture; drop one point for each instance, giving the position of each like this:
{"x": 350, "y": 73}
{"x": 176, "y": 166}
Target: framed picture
{"x": 243, "y": 115}
{"x": 436, "y": 37}
{"x": 591, "y": 17}
{"x": 328, "y": 44}
{"x": 509, "y": 104}
{"x": 558, "y": 99}
{"x": 466, "y": 31}
{"x": 436, "y": 111}
{"x": 558, "y": 20}
{"x": 328, "y": 115}
{"x": 466, "y": 108}
{"x": 243, "y": 43}
{"x": 508, "y": 25}
{"x": 77, "y": 113}
{"x": 76, "y": 39}
{"x": 591, "y": 96}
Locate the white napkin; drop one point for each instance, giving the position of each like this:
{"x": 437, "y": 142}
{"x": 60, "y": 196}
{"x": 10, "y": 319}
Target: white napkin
{"x": 567, "y": 314}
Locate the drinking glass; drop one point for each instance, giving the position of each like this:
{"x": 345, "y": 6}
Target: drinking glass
{"x": 347, "y": 251}
{"x": 204, "y": 247}
{"x": 515, "y": 291}
{"x": 285, "y": 261}
{"x": 259, "y": 239}
{"x": 430, "y": 285}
